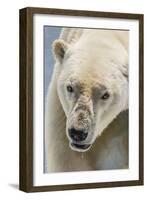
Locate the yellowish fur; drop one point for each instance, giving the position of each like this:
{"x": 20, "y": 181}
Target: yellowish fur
{"x": 94, "y": 57}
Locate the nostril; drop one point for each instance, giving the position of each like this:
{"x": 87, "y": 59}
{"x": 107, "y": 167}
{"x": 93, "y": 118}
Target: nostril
{"x": 77, "y": 135}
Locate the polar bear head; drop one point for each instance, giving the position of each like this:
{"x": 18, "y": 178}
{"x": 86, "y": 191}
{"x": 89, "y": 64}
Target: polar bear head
{"x": 92, "y": 86}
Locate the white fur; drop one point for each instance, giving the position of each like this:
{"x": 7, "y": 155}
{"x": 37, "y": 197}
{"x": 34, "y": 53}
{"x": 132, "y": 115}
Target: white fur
{"x": 94, "y": 57}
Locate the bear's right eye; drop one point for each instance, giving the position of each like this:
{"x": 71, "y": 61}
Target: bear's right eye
{"x": 70, "y": 89}
{"x": 105, "y": 96}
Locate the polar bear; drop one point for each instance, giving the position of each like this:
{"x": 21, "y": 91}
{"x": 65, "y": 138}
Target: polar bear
{"x": 86, "y": 120}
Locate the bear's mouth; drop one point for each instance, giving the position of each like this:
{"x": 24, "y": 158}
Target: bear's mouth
{"x": 80, "y": 147}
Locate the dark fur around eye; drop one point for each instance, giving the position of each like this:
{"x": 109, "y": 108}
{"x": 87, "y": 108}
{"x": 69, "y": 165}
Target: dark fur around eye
{"x": 105, "y": 96}
{"x": 70, "y": 89}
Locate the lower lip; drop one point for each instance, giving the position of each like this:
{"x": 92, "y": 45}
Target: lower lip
{"x": 81, "y": 146}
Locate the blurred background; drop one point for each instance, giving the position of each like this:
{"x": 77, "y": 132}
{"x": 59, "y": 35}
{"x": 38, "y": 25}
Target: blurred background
{"x": 50, "y": 34}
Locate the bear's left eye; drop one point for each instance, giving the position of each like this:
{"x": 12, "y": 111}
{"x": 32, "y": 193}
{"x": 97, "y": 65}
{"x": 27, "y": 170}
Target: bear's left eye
{"x": 105, "y": 96}
{"x": 70, "y": 88}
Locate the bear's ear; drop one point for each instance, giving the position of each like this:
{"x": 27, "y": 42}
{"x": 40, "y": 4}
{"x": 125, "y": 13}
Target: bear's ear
{"x": 59, "y": 49}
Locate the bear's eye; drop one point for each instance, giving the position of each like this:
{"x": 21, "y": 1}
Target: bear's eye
{"x": 69, "y": 88}
{"x": 105, "y": 96}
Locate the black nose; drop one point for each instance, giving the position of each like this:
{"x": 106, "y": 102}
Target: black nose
{"x": 77, "y": 135}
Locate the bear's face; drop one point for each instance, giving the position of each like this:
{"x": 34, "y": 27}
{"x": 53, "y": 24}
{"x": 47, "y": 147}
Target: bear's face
{"x": 91, "y": 93}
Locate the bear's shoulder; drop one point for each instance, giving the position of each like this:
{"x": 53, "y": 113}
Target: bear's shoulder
{"x": 71, "y": 35}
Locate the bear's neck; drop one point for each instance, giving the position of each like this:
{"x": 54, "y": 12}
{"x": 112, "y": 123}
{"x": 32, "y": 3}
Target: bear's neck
{"x": 56, "y": 119}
